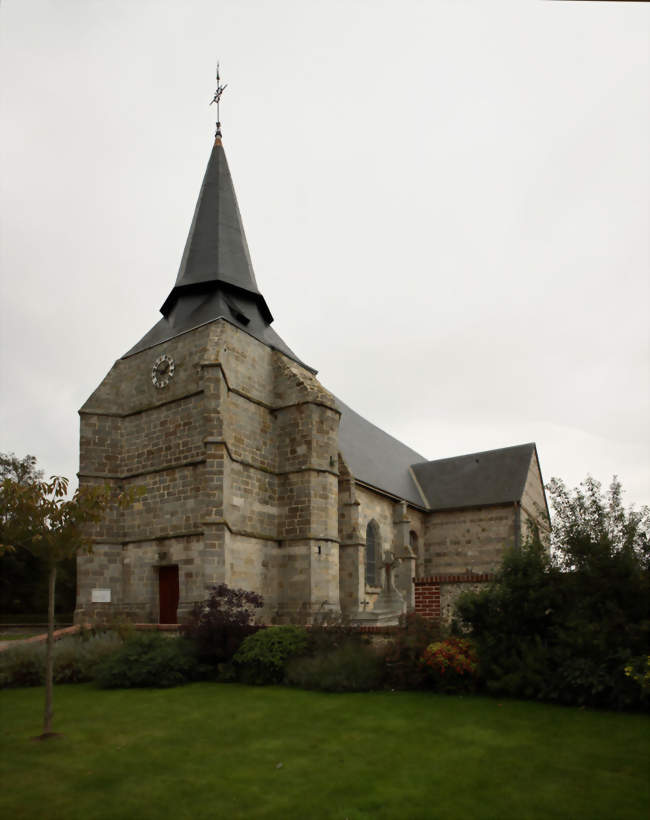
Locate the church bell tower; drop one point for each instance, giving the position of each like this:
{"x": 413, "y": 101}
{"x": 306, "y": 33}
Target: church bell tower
{"x": 232, "y": 437}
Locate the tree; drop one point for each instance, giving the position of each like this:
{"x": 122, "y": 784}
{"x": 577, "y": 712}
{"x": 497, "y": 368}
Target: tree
{"x": 22, "y": 470}
{"x": 564, "y": 625}
{"x": 585, "y": 517}
{"x": 37, "y": 516}
{"x": 23, "y": 575}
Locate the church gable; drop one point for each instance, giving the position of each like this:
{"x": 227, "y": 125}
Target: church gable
{"x": 475, "y": 479}
{"x": 534, "y": 508}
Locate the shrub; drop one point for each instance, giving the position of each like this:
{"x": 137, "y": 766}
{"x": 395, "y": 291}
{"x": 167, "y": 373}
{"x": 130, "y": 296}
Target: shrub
{"x": 564, "y": 629}
{"x": 352, "y": 667}
{"x": 263, "y": 656}
{"x": 75, "y": 660}
{"x": 451, "y": 665}
{"x": 402, "y": 657}
{"x": 22, "y": 665}
{"x": 638, "y": 670}
{"x": 218, "y": 625}
{"x": 149, "y": 659}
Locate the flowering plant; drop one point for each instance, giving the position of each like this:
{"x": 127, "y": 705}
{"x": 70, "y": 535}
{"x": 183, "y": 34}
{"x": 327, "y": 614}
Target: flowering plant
{"x": 451, "y": 665}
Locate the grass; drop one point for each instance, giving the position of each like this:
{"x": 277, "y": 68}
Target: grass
{"x": 214, "y": 751}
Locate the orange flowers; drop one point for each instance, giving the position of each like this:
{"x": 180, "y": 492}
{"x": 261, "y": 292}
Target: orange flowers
{"x": 449, "y": 659}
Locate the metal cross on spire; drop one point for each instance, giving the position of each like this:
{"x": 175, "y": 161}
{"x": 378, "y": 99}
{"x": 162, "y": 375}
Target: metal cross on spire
{"x": 217, "y": 99}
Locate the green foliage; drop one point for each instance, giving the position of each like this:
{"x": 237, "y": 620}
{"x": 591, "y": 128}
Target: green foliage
{"x": 218, "y": 625}
{"x": 639, "y": 671}
{"x": 352, "y": 667}
{"x": 23, "y": 575}
{"x": 75, "y": 660}
{"x": 403, "y": 669}
{"x": 22, "y": 665}
{"x": 38, "y": 517}
{"x": 563, "y": 626}
{"x": 451, "y": 665}
{"x": 149, "y": 659}
{"x": 327, "y": 630}
{"x": 263, "y": 656}
{"x": 589, "y": 524}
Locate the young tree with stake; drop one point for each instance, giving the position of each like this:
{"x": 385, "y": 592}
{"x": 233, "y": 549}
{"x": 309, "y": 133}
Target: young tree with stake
{"x": 39, "y": 517}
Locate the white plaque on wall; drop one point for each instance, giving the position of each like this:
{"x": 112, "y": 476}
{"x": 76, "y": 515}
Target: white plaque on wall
{"x": 100, "y": 596}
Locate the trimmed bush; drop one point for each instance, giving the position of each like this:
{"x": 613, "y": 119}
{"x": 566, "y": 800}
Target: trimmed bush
{"x": 353, "y": 667}
{"x": 149, "y": 659}
{"x": 262, "y": 657}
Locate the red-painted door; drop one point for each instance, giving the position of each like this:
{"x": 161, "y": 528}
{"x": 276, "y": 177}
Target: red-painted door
{"x": 168, "y": 587}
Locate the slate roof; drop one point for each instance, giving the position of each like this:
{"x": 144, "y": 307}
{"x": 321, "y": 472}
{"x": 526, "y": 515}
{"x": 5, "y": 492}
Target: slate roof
{"x": 376, "y": 458}
{"x": 216, "y": 279}
{"x": 196, "y": 309}
{"x": 476, "y": 479}
{"x": 216, "y": 250}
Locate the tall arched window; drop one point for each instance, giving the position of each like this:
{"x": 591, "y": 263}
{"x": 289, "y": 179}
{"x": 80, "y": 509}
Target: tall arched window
{"x": 415, "y": 547}
{"x": 372, "y": 553}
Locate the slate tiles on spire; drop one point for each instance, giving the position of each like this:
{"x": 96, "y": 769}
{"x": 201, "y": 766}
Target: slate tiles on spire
{"x": 216, "y": 279}
{"x": 216, "y": 251}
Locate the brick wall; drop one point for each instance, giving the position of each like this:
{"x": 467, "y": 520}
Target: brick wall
{"x": 435, "y": 596}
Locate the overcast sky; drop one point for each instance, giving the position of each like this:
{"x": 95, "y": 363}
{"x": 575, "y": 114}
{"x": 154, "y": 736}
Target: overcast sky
{"x": 447, "y": 205}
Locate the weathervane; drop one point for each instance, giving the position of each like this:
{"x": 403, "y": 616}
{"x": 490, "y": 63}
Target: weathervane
{"x": 217, "y": 99}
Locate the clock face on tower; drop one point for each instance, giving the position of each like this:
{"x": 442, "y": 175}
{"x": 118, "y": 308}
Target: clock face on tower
{"x": 162, "y": 371}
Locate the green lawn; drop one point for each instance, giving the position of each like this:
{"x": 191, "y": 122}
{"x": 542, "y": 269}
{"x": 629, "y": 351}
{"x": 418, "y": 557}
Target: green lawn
{"x": 214, "y": 751}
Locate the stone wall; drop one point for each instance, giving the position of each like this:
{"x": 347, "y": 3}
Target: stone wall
{"x": 238, "y": 458}
{"x": 358, "y": 505}
{"x": 533, "y": 504}
{"x": 474, "y": 539}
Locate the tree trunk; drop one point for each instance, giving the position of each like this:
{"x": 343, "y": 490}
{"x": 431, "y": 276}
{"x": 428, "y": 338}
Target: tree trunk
{"x": 49, "y": 656}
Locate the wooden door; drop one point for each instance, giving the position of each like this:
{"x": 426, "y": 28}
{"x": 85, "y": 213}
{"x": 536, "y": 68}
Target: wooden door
{"x": 168, "y": 589}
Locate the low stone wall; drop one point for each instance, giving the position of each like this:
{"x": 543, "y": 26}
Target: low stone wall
{"x": 436, "y": 595}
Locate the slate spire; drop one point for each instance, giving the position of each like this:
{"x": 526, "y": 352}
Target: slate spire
{"x": 216, "y": 254}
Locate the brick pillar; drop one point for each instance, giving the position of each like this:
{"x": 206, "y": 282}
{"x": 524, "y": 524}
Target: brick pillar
{"x": 427, "y": 599}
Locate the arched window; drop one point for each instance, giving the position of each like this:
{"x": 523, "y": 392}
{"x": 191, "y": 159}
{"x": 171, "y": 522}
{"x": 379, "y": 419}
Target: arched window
{"x": 413, "y": 543}
{"x": 373, "y": 554}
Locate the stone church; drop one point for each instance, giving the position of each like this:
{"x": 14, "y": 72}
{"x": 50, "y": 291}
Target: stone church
{"x": 257, "y": 476}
